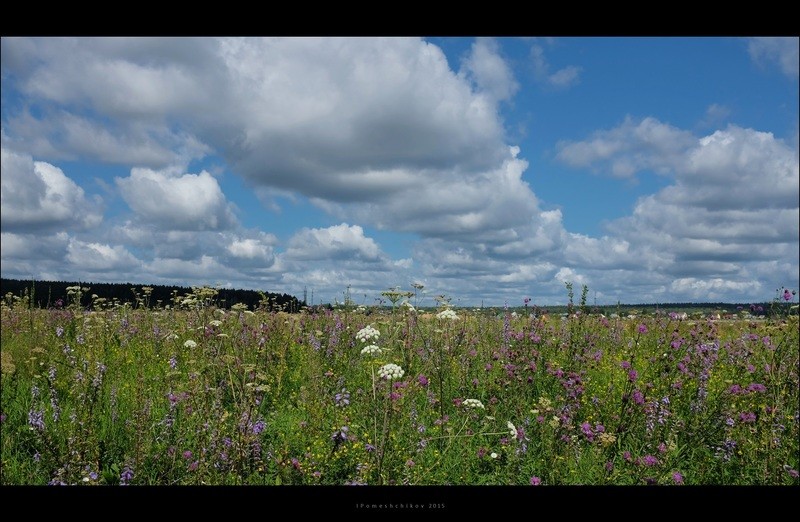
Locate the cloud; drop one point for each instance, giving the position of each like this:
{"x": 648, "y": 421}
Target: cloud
{"x": 715, "y": 114}
{"x": 452, "y": 204}
{"x": 338, "y": 242}
{"x": 738, "y": 168}
{"x": 734, "y": 168}
{"x": 380, "y": 133}
{"x": 37, "y": 196}
{"x": 65, "y": 136}
{"x": 189, "y": 202}
{"x": 734, "y": 202}
{"x": 785, "y": 51}
{"x": 561, "y": 79}
{"x": 631, "y": 147}
{"x": 44, "y": 248}
{"x": 96, "y": 257}
{"x": 330, "y": 118}
{"x": 489, "y": 70}
{"x": 333, "y": 259}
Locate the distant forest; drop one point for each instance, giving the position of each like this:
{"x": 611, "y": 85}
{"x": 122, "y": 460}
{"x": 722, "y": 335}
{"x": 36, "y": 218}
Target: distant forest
{"x": 47, "y": 294}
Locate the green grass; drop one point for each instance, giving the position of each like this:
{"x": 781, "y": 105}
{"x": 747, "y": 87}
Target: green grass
{"x": 90, "y": 396}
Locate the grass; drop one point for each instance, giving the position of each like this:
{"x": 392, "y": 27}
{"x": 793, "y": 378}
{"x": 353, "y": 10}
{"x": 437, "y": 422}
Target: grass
{"x": 197, "y": 395}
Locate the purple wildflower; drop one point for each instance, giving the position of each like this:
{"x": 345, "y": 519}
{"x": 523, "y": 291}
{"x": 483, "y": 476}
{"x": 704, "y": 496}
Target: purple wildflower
{"x": 627, "y": 456}
{"x": 677, "y": 477}
{"x": 342, "y": 398}
{"x": 369, "y": 447}
{"x": 642, "y": 328}
{"x": 756, "y": 388}
{"x": 173, "y": 362}
{"x": 423, "y": 381}
{"x": 536, "y": 481}
{"x": 633, "y": 375}
{"x": 187, "y": 454}
{"x": 36, "y": 420}
{"x": 747, "y": 416}
{"x": 259, "y": 426}
{"x": 586, "y": 428}
{"x": 650, "y": 460}
{"x": 735, "y": 389}
{"x": 793, "y": 473}
{"x": 340, "y": 435}
{"x": 59, "y": 331}
{"x": 193, "y": 466}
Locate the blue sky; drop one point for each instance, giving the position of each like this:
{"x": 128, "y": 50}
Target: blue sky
{"x": 654, "y": 169}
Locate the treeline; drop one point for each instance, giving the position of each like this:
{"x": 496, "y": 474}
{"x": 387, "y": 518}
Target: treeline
{"x": 47, "y": 294}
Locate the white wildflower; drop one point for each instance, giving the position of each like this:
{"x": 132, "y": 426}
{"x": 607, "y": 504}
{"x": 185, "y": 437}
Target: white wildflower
{"x": 189, "y": 344}
{"x": 390, "y": 371}
{"x": 512, "y": 428}
{"x": 447, "y": 314}
{"x": 215, "y": 323}
{"x": 368, "y": 333}
{"x": 473, "y": 403}
{"x": 494, "y": 455}
{"x": 371, "y": 349}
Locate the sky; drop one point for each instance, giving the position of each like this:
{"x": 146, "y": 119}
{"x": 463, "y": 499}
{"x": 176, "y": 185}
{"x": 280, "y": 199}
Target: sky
{"x": 489, "y": 170}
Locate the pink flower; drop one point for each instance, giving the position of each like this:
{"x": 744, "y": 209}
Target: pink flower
{"x": 536, "y": 481}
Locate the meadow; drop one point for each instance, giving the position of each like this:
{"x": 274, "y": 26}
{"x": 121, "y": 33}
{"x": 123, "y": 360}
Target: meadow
{"x": 189, "y": 393}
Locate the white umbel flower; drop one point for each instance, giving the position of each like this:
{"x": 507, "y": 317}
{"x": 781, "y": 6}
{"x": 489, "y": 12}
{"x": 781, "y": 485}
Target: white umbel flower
{"x": 189, "y": 344}
{"x": 512, "y": 429}
{"x": 390, "y": 372}
{"x": 447, "y": 314}
{"x": 473, "y": 403}
{"x": 368, "y": 333}
{"x": 371, "y": 349}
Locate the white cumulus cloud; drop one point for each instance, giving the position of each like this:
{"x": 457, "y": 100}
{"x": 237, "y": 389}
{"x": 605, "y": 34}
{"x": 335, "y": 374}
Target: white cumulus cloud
{"x": 187, "y": 202}
{"x": 489, "y": 70}
{"x": 38, "y": 196}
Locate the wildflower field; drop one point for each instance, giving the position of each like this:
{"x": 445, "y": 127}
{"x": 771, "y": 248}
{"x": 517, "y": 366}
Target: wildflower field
{"x": 191, "y": 394}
